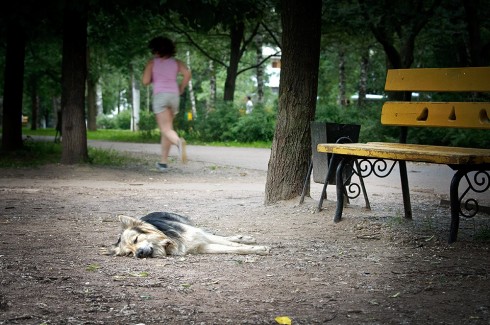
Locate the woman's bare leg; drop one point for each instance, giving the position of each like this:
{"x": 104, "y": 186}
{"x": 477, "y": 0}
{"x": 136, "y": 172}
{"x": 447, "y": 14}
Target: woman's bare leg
{"x": 168, "y": 136}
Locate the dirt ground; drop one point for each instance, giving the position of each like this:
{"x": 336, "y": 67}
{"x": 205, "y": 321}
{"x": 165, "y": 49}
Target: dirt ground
{"x": 371, "y": 268}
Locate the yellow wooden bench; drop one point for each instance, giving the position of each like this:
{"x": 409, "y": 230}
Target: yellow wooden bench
{"x": 464, "y": 161}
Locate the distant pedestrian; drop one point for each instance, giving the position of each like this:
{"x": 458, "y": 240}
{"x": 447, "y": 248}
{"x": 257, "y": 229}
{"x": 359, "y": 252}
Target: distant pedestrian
{"x": 249, "y": 105}
{"x": 162, "y": 71}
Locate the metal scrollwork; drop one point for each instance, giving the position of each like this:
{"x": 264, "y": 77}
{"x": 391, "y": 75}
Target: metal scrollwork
{"x": 378, "y": 167}
{"x": 479, "y": 183}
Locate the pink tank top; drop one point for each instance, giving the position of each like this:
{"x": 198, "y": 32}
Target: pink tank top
{"x": 164, "y": 76}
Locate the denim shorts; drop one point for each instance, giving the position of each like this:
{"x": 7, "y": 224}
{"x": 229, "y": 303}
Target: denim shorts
{"x": 162, "y": 101}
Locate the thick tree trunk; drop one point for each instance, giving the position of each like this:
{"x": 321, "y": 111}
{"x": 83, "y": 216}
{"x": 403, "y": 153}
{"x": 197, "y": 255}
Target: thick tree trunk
{"x": 73, "y": 84}
{"x": 13, "y": 88}
{"x": 236, "y": 34}
{"x": 473, "y": 29}
{"x": 291, "y": 147}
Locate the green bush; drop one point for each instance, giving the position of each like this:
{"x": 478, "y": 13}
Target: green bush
{"x": 105, "y": 122}
{"x": 147, "y": 124}
{"x": 217, "y": 125}
{"x": 256, "y": 126}
{"x": 123, "y": 120}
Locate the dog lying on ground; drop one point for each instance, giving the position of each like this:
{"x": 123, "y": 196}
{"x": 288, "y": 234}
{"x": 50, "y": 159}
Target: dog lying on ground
{"x": 159, "y": 234}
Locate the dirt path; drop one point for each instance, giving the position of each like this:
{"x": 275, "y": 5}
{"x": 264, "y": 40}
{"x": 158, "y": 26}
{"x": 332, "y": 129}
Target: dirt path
{"x": 371, "y": 268}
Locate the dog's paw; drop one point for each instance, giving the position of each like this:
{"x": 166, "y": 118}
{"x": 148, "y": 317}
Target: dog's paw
{"x": 105, "y": 251}
{"x": 262, "y": 250}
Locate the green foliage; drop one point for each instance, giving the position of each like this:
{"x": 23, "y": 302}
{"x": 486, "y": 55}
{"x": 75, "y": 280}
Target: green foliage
{"x": 120, "y": 121}
{"x": 111, "y": 157}
{"x": 147, "y": 124}
{"x": 105, "y": 122}
{"x": 217, "y": 125}
{"x": 228, "y": 123}
{"x": 256, "y": 126}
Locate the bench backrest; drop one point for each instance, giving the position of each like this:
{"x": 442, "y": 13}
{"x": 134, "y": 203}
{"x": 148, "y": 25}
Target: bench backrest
{"x": 438, "y": 114}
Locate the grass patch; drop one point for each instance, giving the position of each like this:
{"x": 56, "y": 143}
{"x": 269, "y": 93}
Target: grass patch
{"x": 32, "y": 154}
{"x": 111, "y": 158}
{"x": 38, "y": 153}
{"x": 144, "y": 137}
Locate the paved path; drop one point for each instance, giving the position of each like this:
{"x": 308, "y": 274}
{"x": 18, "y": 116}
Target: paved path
{"x": 423, "y": 178}
{"x": 250, "y": 158}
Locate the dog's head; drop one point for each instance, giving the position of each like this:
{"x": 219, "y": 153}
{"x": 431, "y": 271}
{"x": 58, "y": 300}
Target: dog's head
{"x": 139, "y": 239}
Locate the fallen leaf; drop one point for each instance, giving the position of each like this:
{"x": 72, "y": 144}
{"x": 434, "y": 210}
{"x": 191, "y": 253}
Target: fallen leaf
{"x": 284, "y": 320}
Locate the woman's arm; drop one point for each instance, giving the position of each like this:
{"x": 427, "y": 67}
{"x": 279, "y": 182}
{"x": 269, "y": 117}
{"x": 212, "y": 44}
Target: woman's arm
{"x": 146, "y": 79}
{"x": 186, "y": 76}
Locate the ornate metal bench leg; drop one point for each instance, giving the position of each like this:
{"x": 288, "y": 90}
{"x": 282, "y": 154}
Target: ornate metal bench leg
{"x": 340, "y": 190}
{"x": 405, "y": 189}
{"x": 361, "y": 180}
{"x": 455, "y": 205}
{"x": 330, "y": 170}
{"x": 306, "y": 184}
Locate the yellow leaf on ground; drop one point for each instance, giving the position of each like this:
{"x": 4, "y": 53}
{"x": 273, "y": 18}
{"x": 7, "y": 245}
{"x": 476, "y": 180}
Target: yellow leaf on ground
{"x": 284, "y": 320}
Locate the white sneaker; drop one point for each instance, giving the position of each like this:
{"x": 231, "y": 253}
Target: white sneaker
{"x": 161, "y": 167}
{"x": 182, "y": 150}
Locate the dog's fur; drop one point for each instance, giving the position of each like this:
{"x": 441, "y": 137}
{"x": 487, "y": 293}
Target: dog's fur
{"x": 159, "y": 234}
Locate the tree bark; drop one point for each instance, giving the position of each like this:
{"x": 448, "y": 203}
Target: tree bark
{"x": 342, "y": 78}
{"x": 34, "y": 102}
{"x": 91, "y": 98}
{"x": 13, "y": 88}
{"x": 363, "y": 76}
{"x": 236, "y": 33}
{"x": 260, "y": 68}
{"x": 74, "y": 75}
{"x": 291, "y": 146}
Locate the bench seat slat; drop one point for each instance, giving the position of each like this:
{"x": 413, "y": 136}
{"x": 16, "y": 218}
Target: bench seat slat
{"x": 410, "y": 152}
{"x": 439, "y": 79}
{"x": 437, "y": 114}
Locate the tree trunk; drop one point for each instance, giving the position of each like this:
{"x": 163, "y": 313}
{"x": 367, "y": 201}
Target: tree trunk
{"x": 342, "y": 82}
{"x": 34, "y": 103}
{"x": 191, "y": 88}
{"x": 212, "y": 87}
{"x": 13, "y": 88}
{"x": 91, "y": 98}
{"x": 473, "y": 29}
{"x": 236, "y": 35}
{"x": 91, "y": 104}
{"x": 291, "y": 147}
{"x": 135, "y": 99}
{"x": 361, "y": 100}
{"x": 74, "y": 75}
{"x": 260, "y": 68}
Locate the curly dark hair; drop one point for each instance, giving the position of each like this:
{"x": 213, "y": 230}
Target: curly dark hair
{"x": 162, "y": 46}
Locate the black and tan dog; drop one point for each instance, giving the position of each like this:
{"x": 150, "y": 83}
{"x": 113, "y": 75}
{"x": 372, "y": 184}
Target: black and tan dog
{"x": 160, "y": 234}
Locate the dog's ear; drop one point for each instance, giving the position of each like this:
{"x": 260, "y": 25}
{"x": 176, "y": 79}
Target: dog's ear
{"x": 128, "y": 222}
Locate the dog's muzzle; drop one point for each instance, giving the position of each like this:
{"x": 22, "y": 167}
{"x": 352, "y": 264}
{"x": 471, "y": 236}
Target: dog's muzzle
{"x": 146, "y": 251}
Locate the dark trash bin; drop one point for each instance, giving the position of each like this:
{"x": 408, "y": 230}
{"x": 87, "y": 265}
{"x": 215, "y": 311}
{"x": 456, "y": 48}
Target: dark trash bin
{"x": 322, "y": 132}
